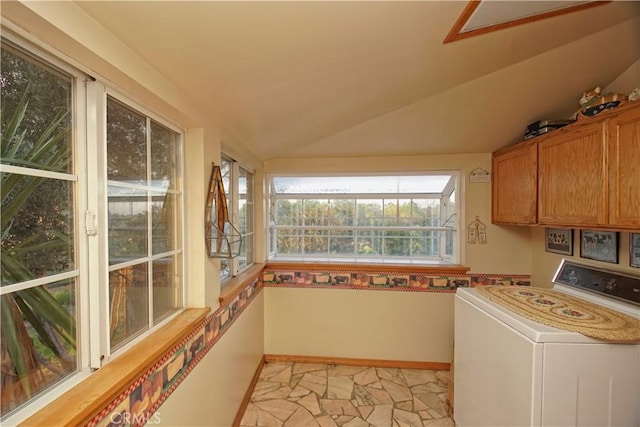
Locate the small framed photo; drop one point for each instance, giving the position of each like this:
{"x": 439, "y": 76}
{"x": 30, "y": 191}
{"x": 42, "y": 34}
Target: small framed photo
{"x": 634, "y": 249}
{"x": 559, "y": 241}
{"x": 599, "y": 245}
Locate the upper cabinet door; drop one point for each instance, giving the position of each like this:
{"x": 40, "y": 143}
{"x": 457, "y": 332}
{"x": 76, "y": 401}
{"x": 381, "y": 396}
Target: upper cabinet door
{"x": 573, "y": 177}
{"x": 624, "y": 170}
{"x": 514, "y": 184}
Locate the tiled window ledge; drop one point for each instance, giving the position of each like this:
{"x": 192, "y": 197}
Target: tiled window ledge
{"x": 236, "y": 284}
{"x": 80, "y": 404}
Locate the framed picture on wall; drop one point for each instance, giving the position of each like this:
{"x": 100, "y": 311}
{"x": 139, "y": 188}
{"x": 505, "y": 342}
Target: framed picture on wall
{"x": 634, "y": 249}
{"x": 559, "y": 241}
{"x": 599, "y": 245}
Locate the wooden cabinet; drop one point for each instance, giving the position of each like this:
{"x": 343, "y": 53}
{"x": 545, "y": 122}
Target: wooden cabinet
{"x": 572, "y": 177}
{"x": 514, "y": 186}
{"x": 585, "y": 175}
{"x": 624, "y": 170}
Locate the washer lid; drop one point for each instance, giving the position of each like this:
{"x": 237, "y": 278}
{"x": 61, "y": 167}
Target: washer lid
{"x": 535, "y": 331}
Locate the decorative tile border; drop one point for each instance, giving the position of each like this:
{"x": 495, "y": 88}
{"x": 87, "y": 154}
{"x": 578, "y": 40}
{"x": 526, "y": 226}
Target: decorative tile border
{"x": 340, "y": 279}
{"x": 137, "y": 404}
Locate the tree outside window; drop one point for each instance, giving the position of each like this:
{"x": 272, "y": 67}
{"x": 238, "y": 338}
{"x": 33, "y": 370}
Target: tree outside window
{"x": 39, "y": 271}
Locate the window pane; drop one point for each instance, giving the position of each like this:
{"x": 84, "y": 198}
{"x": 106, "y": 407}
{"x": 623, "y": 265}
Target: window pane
{"x": 225, "y": 171}
{"x": 166, "y": 287}
{"x": 426, "y": 212}
{"x": 366, "y": 217}
{"x": 164, "y": 158}
{"x": 316, "y": 212}
{"x": 390, "y": 212}
{"x": 342, "y": 212}
{"x": 165, "y": 210}
{"x": 449, "y": 243}
{"x": 361, "y": 184}
{"x": 425, "y": 243}
{"x": 127, "y": 224}
{"x": 38, "y": 325}
{"x": 289, "y": 241}
{"x": 128, "y": 303}
{"x": 369, "y": 212}
{"x": 289, "y": 212}
{"x": 126, "y": 144}
{"x": 41, "y": 348}
{"x": 42, "y": 137}
{"x": 316, "y": 242}
{"x": 37, "y": 227}
{"x": 342, "y": 243}
{"x": 450, "y": 212}
{"x": 405, "y": 212}
{"x": 225, "y": 268}
{"x": 245, "y": 215}
{"x": 369, "y": 242}
{"x": 396, "y": 243}
{"x": 246, "y": 258}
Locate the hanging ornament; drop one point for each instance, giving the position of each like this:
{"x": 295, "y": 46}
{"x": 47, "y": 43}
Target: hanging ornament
{"x": 477, "y": 232}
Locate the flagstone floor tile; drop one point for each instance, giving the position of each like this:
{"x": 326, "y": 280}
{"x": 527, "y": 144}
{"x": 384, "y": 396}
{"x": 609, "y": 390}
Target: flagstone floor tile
{"x": 304, "y": 394}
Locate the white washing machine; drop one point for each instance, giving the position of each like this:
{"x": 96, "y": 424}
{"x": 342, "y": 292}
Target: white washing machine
{"x": 510, "y": 371}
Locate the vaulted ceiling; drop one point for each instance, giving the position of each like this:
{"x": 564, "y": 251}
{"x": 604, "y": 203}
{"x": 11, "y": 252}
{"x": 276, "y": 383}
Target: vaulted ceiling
{"x": 341, "y": 78}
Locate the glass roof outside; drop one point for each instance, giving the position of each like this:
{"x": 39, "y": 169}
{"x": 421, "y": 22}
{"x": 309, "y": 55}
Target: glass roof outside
{"x": 403, "y": 184}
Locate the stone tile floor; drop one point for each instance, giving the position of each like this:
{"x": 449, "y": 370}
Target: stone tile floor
{"x": 315, "y": 395}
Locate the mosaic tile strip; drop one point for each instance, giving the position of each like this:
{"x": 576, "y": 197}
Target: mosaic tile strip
{"x": 138, "y": 404}
{"x": 341, "y": 279}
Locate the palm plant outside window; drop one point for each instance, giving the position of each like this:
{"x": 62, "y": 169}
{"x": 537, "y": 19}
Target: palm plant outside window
{"x": 364, "y": 218}
{"x": 40, "y": 273}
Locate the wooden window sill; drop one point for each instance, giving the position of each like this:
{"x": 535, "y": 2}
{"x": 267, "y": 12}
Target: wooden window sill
{"x": 453, "y": 269}
{"x": 80, "y": 404}
{"x": 236, "y": 284}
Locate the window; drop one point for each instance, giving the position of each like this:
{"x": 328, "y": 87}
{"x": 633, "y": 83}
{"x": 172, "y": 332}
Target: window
{"x": 144, "y": 202}
{"x": 40, "y": 270}
{"x": 354, "y": 218}
{"x": 238, "y": 185}
{"x": 57, "y": 187}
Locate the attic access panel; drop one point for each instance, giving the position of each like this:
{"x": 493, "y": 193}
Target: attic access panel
{"x": 484, "y": 16}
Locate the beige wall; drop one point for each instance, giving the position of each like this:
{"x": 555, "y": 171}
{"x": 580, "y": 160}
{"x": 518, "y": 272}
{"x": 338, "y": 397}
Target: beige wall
{"x": 627, "y": 81}
{"x": 211, "y": 394}
{"x": 545, "y": 263}
{"x": 383, "y": 325}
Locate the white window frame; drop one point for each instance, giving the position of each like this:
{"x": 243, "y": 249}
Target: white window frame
{"x": 90, "y": 219}
{"x": 84, "y": 322}
{"x": 455, "y": 184}
{"x": 233, "y": 206}
{"x": 106, "y": 353}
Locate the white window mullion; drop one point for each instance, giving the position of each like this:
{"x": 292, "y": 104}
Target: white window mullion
{"x": 83, "y": 314}
{"x": 149, "y": 227}
{"x": 98, "y": 243}
{"x": 234, "y": 191}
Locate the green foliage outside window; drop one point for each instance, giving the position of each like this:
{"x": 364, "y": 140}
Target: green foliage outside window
{"x": 38, "y": 327}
